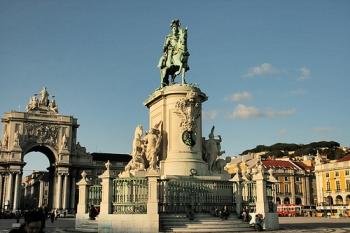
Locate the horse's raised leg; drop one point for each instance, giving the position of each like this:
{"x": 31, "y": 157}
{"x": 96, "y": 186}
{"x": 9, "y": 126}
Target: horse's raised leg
{"x": 183, "y": 76}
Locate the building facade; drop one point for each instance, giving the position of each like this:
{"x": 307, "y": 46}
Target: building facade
{"x": 295, "y": 179}
{"x": 333, "y": 181}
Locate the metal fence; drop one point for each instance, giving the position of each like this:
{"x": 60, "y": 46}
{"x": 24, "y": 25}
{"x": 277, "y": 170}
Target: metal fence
{"x": 95, "y": 195}
{"x": 203, "y": 196}
{"x": 130, "y": 195}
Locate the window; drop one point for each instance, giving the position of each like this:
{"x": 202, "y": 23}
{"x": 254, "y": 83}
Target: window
{"x": 347, "y": 172}
{"x": 277, "y": 188}
{"x": 327, "y": 174}
{"x": 338, "y": 185}
{"x": 328, "y": 186}
{"x": 297, "y": 178}
{"x": 286, "y": 178}
{"x": 336, "y": 173}
{"x": 286, "y": 188}
{"x": 297, "y": 188}
{"x": 348, "y": 185}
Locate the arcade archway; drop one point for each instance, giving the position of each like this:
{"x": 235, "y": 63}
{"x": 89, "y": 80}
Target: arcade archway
{"x": 41, "y": 129}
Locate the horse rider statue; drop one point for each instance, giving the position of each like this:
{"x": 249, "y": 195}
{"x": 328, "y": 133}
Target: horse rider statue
{"x": 175, "y": 55}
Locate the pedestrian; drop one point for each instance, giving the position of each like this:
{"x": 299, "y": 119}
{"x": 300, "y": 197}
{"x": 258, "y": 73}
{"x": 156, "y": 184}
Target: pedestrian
{"x": 224, "y": 213}
{"x": 92, "y": 212}
{"x": 32, "y": 224}
{"x": 258, "y": 222}
{"x": 52, "y": 216}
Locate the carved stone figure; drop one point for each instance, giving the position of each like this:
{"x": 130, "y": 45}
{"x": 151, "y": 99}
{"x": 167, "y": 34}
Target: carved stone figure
{"x": 44, "y": 97}
{"x": 43, "y": 104}
{"x": 5, "y": 139}
{"x": 137, "y": 162}
{"x": 213, "y": 149}
{"x": 152, "y": 140}
{"x": 220, "y": 164}
{"x": 175, "y": 55}
{"x": 53, "y": 106}
{"x": 16, "y": 139}
{"x": 33, "y": 104}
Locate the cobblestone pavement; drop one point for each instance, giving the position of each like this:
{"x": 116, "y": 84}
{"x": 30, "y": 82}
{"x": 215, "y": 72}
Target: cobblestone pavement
{"x": 63, "y": 225}
{"x": 287, "y": 225}
{"x": 314, "y": 224}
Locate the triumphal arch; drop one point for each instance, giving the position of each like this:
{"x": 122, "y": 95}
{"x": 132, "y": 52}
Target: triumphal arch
{"x": 41, "y": 128}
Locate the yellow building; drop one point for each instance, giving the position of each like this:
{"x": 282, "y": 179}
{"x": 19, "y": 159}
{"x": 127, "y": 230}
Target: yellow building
{"x": 333, "y": 181}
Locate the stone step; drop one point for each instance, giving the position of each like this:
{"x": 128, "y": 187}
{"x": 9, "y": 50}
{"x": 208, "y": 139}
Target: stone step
{"x": 218, "y": 230}
{"x": 202, "y": 223}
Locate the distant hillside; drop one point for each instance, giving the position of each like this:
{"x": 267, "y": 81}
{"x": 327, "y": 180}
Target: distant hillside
{"x": 331, "y": 149}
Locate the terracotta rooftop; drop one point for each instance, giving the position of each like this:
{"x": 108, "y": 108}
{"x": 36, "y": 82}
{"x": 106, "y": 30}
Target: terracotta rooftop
{"x": 345, "y": 158}
{"x": 304, "y": 166}
{"x": 279, "y": 164}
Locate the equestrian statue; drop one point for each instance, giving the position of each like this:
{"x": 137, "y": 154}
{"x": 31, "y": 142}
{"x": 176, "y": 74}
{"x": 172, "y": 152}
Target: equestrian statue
{"x": 173, "y": 62}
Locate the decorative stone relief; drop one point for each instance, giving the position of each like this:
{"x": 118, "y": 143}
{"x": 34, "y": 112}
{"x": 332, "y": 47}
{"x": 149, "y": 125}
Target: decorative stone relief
{"x": 64, "y": 142}
{"x": 41, "y": 133}
{"x": 188, "y": 109}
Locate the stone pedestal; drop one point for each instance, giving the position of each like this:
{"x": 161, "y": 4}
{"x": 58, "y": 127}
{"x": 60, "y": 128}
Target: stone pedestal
{"x": 270, "y": 219}
{"x": 179, "y": 108}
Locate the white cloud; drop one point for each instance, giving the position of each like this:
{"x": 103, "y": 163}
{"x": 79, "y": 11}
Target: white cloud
{"x": 240, "y": 96}
{"x": 261, "y": 70}
{"x": 245, "y": 112}
{"x": 209, "y": 115}
{"x": 304, "y": 73}
{"x": 285, "y": 113}
{"x": 322, "y": 129}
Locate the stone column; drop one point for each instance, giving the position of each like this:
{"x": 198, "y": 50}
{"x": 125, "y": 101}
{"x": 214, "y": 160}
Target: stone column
{"x": 303, "y": 189}
{"x": 65, "y": 192}
{"x": 41, "y": 193}
{"x": 9, "y": 199}
{"x": 106, "y": 202}
{"x": 1, "y": 189}
{"x": 83, "y": 195}
{"x": 16, "y": 198}
{"x": 307, "y": 190}
{"x": 59, "y": 191}
{"x": 292, "y": 188}
{"x": 72, "y": 193}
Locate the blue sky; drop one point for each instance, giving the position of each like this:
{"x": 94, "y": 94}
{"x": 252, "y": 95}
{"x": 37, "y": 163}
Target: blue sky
{"x": 274, "y": 71}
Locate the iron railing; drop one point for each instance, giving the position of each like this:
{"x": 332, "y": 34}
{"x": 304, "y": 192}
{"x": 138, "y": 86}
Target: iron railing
{"x": 177, "y": 195}
{"x": 130, "y": 195}
{"x": 95, "y": 195}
